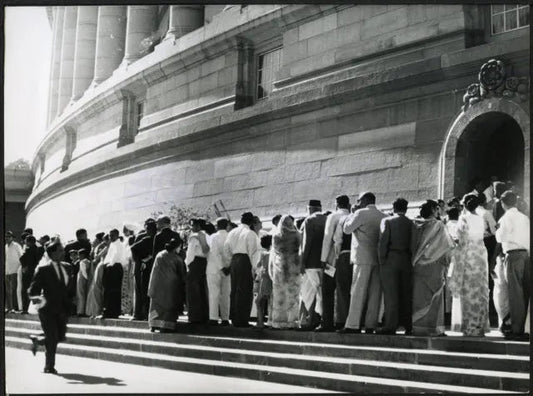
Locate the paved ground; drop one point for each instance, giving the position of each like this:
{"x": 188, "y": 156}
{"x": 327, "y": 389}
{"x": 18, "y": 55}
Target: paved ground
{"x": 83, "y": 375}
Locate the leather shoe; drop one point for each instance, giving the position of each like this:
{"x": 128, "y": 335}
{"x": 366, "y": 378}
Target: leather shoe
{"x": 224, "y": 323}
{"x": 33, "y": 344}
{"x": 213, "y": 322}
{"x": 321, "y": 329}
{"x": 369, "y": 331}
{"x": 50, "y": 370}
{"x": 347, "y": 330}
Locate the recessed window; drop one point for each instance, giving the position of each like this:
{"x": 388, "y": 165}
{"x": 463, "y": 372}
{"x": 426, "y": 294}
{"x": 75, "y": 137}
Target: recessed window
{"x": 268, "y": 64}
{"x": 507, "y": 17}
{"x": 140, "y": 112}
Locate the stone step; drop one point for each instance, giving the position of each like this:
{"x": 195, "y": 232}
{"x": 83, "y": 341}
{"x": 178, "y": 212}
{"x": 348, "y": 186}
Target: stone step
{"x": 509, "y": 363}
{"x": 263, "y": 372}
{"x": 486, "y": 345}
{"x": 375, "y": 368}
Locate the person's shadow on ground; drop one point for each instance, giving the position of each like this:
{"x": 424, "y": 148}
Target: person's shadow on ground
{"x": 91, "y": 379}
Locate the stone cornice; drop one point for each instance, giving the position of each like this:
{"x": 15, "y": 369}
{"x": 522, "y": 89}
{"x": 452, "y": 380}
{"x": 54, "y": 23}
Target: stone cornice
{"x": 172, "y": 57}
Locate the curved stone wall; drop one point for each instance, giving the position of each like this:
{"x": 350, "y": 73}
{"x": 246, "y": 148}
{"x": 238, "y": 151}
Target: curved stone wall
{"x": 362, "y": 101}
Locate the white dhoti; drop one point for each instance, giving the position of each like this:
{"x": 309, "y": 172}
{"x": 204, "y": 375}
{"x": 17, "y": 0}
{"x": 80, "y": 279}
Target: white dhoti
{"x": 501, "y": 292}
{"x": 311, "y": 289}
{"x": 366, "y": 290}
{"x": 219, "y": 288}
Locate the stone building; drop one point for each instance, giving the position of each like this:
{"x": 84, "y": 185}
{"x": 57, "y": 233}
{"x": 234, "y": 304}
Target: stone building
{"x": 18, "y": 183}
{"x": 266, "y": 106}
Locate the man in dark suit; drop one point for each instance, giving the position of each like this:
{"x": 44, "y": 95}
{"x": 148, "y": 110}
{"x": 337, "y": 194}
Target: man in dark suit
{"x": 164, "y": 235}
{"x": 53, "y": 280}
{"x": 82, "y": 242}
{"x": 28, "y": 261}
{"x": 394, "y": 256}
{"x": 313, "y": 235}
{"x": 141, "y": 252}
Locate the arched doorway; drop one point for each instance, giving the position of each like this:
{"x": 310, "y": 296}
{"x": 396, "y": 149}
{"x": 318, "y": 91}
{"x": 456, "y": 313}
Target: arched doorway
{"x": 491, "y": 145}
{"x": 490, "y": 139}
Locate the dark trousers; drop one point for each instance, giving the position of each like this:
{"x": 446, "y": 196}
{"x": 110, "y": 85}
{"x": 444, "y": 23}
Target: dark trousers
{"x": 517, "y": 270}
{"x": 241, "y": 294}
{"x": 490, "y": 245}
{"x": 55, "y": 328}
{"x": 139, "y": 310}
{"x": 197, "y": 295}
{"x": 145, "y": 281}
{"x": 396, "y": 282}
{"x": 26, "y": 281}
{"x": 112, "y": 282}
{"x": 328, "y": 300}
{"x": 343, "y": 280}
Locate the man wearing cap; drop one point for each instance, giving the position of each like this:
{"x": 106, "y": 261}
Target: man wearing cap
{"x": 311, "y": 249}
{"x": 366, "y": 287}
{"x": 218, "y": 279}
{"x": 13, "y": 251}
{"x": 141, "y": 252}
{"x": 342, "y": 269}
{"x": 242, "y": 247}
{"x": 513, "y": 234}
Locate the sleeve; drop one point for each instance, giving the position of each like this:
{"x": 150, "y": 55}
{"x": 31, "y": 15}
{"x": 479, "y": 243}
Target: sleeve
{"x": 328, "y": 238}
{"x": 83, "y": 268}
{"x": 491, "y": 222}
{"x": 191, "y": 249}
{"x": 338, "y": 236}
{"x": 306, "y": 246}
{"x": 384, "y": 240}
{"x": 253, "y": 248}
{"x": 503, "y": 230}
{"x": 228, "y": 252}
{"x": 36, "y": 285}
{"x": 352, "y": 222}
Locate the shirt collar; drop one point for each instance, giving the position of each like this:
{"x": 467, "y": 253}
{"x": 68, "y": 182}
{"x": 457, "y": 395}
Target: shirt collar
{"x": 512, "y": 210}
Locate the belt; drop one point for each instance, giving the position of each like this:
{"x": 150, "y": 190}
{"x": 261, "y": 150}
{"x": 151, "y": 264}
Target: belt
{"x": 517, "y": 250}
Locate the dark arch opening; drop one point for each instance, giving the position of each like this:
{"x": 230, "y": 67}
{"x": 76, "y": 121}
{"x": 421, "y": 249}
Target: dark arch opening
{"x": 491, "y": 145}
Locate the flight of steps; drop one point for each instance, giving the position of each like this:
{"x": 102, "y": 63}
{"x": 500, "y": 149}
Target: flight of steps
{"x": 337, "y": 362}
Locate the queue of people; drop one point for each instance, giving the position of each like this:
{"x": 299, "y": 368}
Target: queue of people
{"x": 350, "y": 270}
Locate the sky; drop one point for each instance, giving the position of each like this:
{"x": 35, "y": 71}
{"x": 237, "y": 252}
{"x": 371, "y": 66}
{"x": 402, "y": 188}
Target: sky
{"x": 28, "y": 41}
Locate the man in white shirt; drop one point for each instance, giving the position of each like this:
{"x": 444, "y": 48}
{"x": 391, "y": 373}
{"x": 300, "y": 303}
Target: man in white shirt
{"x": 513, "y": 234}
{"x": 13, "y": 251}
{"x": 242, "y": 246}
{"x": 196, "y": 284}
{"x": 112, "y": 278}
{"x": 218, "y": 279}
{"x": 342, "y": 269}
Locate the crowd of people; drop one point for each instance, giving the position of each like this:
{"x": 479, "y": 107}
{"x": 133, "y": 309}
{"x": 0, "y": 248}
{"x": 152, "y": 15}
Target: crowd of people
{"x": 352, "y": 269}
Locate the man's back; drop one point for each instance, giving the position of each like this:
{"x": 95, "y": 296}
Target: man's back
{"x": 163, "y": 237}
{"x": 313, "y": 228}
{"x": 395, "y": 235}
{"x": 365, "y": 225}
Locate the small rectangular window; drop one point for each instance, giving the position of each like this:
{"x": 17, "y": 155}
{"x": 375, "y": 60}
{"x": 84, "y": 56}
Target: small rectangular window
{"x": 507, "y": 17}
{"x": 140, "y": 113}
{"x": 268, "y": 64}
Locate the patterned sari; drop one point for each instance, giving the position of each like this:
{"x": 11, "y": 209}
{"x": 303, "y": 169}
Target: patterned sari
{"x": 470, "y": 278}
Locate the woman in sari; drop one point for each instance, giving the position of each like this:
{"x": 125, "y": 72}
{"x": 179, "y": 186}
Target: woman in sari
{"x": 431, "y": 249}
{"x": 284, "y": 270}
{"x": 470, "y": 276}
{"x": 95, "y": 297}
{"x": 165, "y": 289}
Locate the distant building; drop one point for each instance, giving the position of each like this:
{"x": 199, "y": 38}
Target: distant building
{"x": 267, "y": 106}
{"x": 18, "y": 183}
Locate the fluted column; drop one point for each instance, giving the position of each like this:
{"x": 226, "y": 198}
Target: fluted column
{"x": 53, "y": 93}
{"x": 110, "y": 36}
{"x": 67, "y": 58}
{"x": 184, "y": 19}
{"x": 85, "y": 50}
{"x": 139, "y": 29}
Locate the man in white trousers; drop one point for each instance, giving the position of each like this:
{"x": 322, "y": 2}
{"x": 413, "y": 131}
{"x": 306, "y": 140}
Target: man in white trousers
{"x": 218, "y": 275}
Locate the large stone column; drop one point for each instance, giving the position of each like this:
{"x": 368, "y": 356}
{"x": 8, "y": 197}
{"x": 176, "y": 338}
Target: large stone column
{"x": 140, "y": 26}
{"x": 85, "y": 50}
{"x": 67, "y": 58}
{"x": 184, "y": 19}
{"x": 110, "y": 36}
{"x": 55, "y": 67}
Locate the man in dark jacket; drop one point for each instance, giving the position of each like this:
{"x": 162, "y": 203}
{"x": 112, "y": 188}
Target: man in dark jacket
{"x": 141, "y": 252}
{"x": 53, "y": 280}
{"x": 28, "y": 261}
{"x": 82, "y": 242}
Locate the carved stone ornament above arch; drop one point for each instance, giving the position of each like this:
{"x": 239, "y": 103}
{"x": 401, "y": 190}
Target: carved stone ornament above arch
{"x": 495, "y": 92}
{"x": 495, "y": 82}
